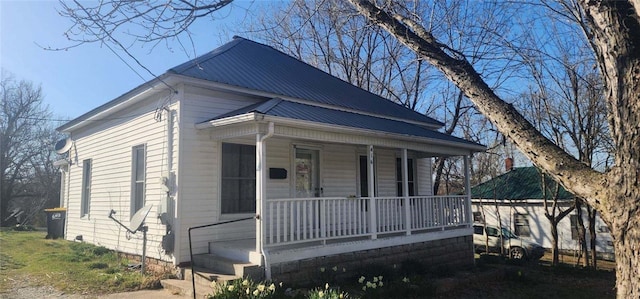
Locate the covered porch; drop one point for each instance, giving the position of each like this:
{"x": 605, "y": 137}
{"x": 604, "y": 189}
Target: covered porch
{"x": 325, "y": 188}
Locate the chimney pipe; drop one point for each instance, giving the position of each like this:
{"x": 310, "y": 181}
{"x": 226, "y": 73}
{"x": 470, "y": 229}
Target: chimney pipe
{"x": 508, "y": 164}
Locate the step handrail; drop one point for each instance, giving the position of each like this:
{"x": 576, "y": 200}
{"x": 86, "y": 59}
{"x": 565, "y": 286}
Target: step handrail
{"x": 193, "y": 279}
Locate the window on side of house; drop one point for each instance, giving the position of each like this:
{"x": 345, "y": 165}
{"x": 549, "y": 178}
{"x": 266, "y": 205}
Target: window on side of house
{"x": 522, "y": 225}
{"x": 574, "y": 227}
{"x": 86, "y": 187}
{"x": 238, "y": 186}
{"x": 138, "y": 176}
{"x": 410, "y": 175}
{"x": 477, "y": 217}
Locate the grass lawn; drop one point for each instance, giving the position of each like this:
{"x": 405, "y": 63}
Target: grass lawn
{"x": 72, "y": 267}
{"x": 80, "y": 268}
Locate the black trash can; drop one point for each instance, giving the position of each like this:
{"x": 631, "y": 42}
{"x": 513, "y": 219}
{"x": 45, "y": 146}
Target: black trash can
{"x": 55, "y": 222}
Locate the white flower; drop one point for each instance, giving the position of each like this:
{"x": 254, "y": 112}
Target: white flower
{"x": 320, "y": 294}
{"x": 335, "y": 268}
{"x": 405, "y": 280}
{"x": 230, "y": 288}
{"x": 326, "y": 286}
{"x": 256, "y": 292}
{"x": 380, "y": 277}
{"x": 344, "y": 270}
{"x": 272, "y": 287}
{"x": 248, "y": 291}
{"x": 361, "y": 280}
{"x": 364, "y": 288}
{"x": 380, "y": 284}
{"x": 245, "y": 282}
{"x": 322, "y": 269}
{"x": 375, "y": 279}
{"x": 261, "y": 287}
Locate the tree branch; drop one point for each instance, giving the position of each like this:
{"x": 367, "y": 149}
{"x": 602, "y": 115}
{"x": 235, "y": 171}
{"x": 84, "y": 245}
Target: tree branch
{"x": 573, "y": 174}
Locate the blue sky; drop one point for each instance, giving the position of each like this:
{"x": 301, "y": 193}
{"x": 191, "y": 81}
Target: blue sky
{"x": 80, "y": 79}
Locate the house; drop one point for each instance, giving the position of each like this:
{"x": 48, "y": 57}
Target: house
{"x": 309, "y": 168}
{"x": 516, "y": 198}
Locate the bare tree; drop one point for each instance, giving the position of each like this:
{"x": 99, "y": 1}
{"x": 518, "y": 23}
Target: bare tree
{"x": 554, "y": 213}
{"x": 25, "y": 148}
{"x": 612, "y": 30}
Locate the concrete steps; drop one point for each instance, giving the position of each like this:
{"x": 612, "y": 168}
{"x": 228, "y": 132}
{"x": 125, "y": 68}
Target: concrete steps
{"x": 203, "y": 278}
{"x": 210, "y": 268}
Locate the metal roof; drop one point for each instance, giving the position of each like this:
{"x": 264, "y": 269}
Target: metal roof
{"x": 518, "y": 184}
{"x": 248, "y": 64}
{"x": 293, "y": 110}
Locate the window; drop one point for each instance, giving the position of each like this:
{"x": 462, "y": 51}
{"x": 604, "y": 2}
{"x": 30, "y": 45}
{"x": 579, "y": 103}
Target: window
{"x": 477, "y": 230}
{"x": 86, "y": 187}
{"x": 477, "y": 217}
{"x": 411, "y": 177}
{"x": 364, "y": 176}
{"x": 522, "y": 225}
{"x": 138, "y": 168}
{"x": 492, "y": 232}
{"x": 238, "y": 178}
{"x": 574, "y": 227}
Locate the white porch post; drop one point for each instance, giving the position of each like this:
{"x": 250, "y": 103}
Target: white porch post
{"x": 372, "y": 199}
{"x": 259, "y": 191}
{"x": 467, "y": 187}
{"x": 261, "y": 179}
{"x": 405, "y": 192}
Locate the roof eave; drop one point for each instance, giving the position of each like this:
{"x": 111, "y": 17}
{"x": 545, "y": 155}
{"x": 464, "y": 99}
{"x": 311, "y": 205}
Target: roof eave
{"x": 253, "y": 116}
{"x": 117, "y": 103}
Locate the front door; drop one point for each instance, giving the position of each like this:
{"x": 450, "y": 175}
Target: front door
{"x": 307, "y": 167}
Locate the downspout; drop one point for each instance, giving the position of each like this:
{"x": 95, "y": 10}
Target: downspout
{"x": 260, "y": 194}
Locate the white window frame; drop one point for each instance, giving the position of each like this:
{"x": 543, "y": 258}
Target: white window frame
{"x": 138, "y": 182}
{"x": 524, "y": 223}
{"x": 85, "y": 203}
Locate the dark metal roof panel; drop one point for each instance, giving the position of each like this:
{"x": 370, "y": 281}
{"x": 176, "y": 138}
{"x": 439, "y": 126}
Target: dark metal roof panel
{"x": 292, "y": 110}
{"x": 518, "y": 184}
{"x": 248, "y": 64}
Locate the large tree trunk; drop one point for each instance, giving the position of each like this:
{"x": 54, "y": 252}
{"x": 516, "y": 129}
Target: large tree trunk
{"x": 613, "y": 31}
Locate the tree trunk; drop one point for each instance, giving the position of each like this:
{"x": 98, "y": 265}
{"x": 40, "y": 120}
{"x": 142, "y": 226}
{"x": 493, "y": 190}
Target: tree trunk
{"x": 582, "y": 236}
{"x": 626, "y": 245}
{"x": 613, "y": 33}
{"x": 592, "y": 236}
{"x": 554, "y": 243}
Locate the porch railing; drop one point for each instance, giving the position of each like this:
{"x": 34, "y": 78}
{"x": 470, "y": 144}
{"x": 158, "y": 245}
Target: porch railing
{"x": 299, "y": 220}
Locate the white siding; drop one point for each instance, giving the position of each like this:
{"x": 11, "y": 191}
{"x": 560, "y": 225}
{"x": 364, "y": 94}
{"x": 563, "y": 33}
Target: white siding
{"x": 539, "y": 225}
{"x": 199, "y": 168}
{"x": 109, "y": 144}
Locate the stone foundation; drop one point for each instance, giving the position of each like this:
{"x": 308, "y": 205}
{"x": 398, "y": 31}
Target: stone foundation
{"x": 151, "y": 264}
{"x": 453, "y": 254}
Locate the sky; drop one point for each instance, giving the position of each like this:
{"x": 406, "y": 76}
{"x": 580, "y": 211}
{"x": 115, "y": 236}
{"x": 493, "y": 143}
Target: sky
{"x": 79, "y": 79}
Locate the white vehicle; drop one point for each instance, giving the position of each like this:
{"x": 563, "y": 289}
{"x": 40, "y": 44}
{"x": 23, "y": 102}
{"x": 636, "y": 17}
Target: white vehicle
{"x": 514, "y": 246}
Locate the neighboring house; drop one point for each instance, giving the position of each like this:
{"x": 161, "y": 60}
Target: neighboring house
{"x": 328, "y": 168}
{"x": 517, "y": 197}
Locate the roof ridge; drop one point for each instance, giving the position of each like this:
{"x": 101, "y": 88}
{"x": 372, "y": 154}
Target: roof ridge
{"x": 208, "y": 56}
